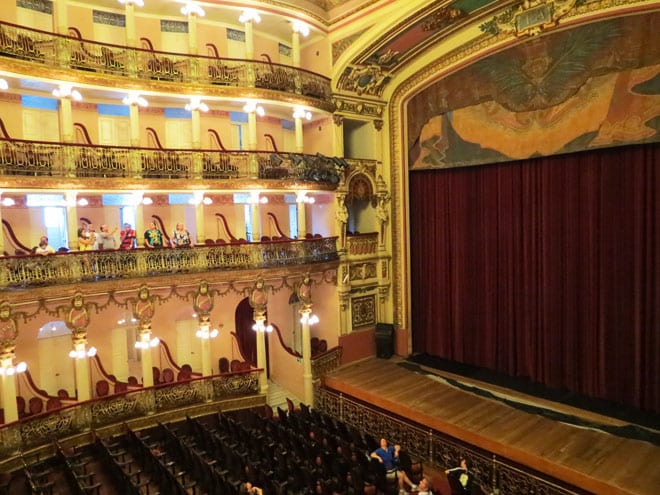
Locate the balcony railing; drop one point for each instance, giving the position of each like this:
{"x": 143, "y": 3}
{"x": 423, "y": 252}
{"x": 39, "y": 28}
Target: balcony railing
{"x": 67, "y": 52}
{"x": 41, "y": 158}
{"x": 89, "y": 266}
{"x": 41, "y": 429}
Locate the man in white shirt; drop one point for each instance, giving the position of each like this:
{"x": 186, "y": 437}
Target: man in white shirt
{"x": 105, "y": 239}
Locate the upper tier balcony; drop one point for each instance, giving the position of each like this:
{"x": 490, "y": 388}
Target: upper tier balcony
{"x": 20, "y": 272}
{"x": 22, "y": 158}
{"x": 94, "y": 62}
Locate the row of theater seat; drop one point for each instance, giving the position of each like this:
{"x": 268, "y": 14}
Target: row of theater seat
{"x": 299, "y": 450}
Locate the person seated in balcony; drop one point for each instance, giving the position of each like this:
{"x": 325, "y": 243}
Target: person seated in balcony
{"x": 388, "y": 455}
{"x": 127, "y": 237}
{"x": 105, "y": 240}
{"x": 248, "y": 488}
{"x": 425, "y": 487}
{"x": 86, "y": 237}
{"x": 43, "y": 248}
{"x": 180, "y": 236}
{"x": 153, "y": 237}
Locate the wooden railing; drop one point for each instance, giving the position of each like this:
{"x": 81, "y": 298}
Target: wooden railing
{"x": 71, "y": 52}
{"x": 19, "y": 157}
{"x": 89, "y": 266}
{"x": 40, "y": 429}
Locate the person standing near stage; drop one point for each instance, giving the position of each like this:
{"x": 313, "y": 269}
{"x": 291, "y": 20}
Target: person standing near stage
{"x": 461, "y": 476}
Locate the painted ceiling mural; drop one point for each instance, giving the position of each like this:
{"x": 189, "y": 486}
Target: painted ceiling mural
{"x": 369, "y": 72}
{"x": 596, "y": 85}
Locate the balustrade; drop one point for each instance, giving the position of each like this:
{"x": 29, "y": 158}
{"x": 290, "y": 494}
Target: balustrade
{"x": 39, "y": 158}
{"x": 34, "y": 271}
{"x": 71, "y": 52}
{"x": 43, "y": 428}
{"x": 435, "y": 448}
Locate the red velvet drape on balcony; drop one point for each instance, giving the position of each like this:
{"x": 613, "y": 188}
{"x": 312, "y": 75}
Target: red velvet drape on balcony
{"x": 547, "y": 269}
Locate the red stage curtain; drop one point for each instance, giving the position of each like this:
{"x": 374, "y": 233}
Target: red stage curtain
{"x": 547, "y": 269}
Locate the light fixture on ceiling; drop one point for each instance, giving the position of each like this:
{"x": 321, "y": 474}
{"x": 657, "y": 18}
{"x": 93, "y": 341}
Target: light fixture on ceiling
{"x": 205, "y": 333}
{"x": 137, "y": 3}
{"x": 196, "y": 103}
{"x": 261, "y": 326}
{"x": 146, "y": 344}
{"x": 134, "y": 98}
{"x": 310, "y": 319}
{"x": 12, "y": 370}
{"x": 255, "y": 199}
{"x": 67, "y": 91}
{"x": 253, "y": 106}
{"x": 301, "y": 197}
{"x": 249, "y": 15}
{"x": 81, "y": 353}
{"x": 300, "y": 27}
{"x": 301, "y": 113}
{"x": 193, "y": 8}
{"x": 3, "y": 84}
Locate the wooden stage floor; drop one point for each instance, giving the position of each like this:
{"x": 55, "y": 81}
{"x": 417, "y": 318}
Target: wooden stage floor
{"x": 590, "y": 459}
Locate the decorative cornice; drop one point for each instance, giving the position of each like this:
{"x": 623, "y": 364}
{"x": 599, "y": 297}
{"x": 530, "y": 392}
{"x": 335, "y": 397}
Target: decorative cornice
{"x": 365, "y": 108}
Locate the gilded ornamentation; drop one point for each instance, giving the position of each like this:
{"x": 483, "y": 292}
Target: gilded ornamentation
{"x": 259, "y": 296}
{"x": 236, "y": 384}
{"x": 76, "y": 267}
{"x": 8, "y": 330}
{"x": 442, "y": 18}
{"x": 326, "y": 362}
{"x": 433, "y": 447}
{"x": 369, "y": 80}
{"x": 530, "y": 18}
{"x": 115, "y": 409}
{"x": 363, "y": 311}
{"x": 178, "y": 395}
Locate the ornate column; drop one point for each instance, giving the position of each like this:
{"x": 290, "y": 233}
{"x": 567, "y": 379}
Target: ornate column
{"x": 301, "y": 209}
{"x": 8, "y": 335}
{"x": 248, "y": 18}
{"x": 193, "y": 10}
{"x": 131, "y": 35}
{"x": 299, "y": 28}
{"x": 70, "y": 198}
{"x": 255, "y": 214}
{"x": 306, "y": 319}
{"x": 203, "y": 305}
{"x": 259, "y": 301}
{"x": 143, "y": 311}
{"x": 2, "y": 237}
{"x": 252, "y": 108}
{"x": 299, "y": 114}
{"x": 198, "y": 198}
{"x": 341, "y": 217}
{"x": 77, "y": 320}
{"x": 338, "y": 135}
{"x": 195, "y": 106}
{"x": 60, "y": 17}
{"x": 134, "y": 102}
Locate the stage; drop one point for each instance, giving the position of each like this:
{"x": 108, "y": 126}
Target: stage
{"x": 593, "y": 452}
